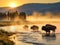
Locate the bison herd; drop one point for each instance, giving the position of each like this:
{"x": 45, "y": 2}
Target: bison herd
{"x": 47, "y": 28}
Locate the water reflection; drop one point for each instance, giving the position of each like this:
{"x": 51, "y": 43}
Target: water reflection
{"x": 51, "y": 37}
{"x": 35, "y": 43}
{"x": 30, "y": 38}
{"x": 34, "y": 38}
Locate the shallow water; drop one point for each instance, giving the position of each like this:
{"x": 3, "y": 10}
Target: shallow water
{"x": 35, "y": 39}
{"x": 29, "y": 38}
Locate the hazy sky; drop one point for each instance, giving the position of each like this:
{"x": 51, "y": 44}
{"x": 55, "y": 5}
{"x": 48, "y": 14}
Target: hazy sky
{"x": 6, "y": 3}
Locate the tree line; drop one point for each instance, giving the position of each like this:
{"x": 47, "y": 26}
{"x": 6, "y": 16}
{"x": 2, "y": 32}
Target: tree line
{"x": 12, "y": 15}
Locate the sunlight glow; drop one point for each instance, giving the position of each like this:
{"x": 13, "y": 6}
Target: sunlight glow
{"x": 13, "y": 5}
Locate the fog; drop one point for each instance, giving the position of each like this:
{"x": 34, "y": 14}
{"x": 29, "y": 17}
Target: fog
{"x": 48, "y": 16}
{"x": 36, "y": 18}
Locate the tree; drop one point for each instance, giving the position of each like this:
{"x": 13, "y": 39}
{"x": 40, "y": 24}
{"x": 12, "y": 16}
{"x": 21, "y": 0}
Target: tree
{"x": 2, "y": 15}
{"x": 12, "y": 15}
{"x": 22, "y": 15}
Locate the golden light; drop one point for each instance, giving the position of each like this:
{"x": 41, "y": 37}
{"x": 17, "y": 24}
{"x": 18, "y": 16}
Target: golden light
{"x": 12, "y": 28}
{"x": 13, "y": 5}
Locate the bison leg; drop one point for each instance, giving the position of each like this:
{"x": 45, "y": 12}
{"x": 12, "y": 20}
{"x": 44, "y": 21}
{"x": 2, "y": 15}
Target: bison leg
{"x": 48, "y": 33}
{"x": 53, "y": 32}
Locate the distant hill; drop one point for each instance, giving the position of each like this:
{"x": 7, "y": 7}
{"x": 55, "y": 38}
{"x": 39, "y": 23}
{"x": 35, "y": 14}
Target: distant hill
{"x": 38, "y": 7}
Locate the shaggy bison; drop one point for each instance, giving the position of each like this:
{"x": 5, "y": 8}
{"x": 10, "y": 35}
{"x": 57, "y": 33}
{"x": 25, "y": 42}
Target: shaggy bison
{"x": 47, "y": 28}
{"x": 35, "y": 28}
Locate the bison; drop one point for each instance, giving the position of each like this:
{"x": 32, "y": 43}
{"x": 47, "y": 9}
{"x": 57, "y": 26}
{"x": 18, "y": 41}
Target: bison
{"x": 35, "y": 28}
{"x": 48, "y": 27}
